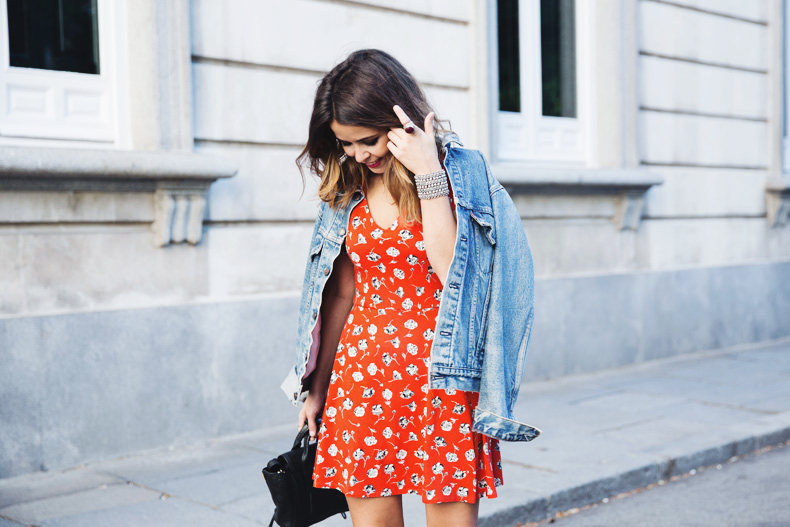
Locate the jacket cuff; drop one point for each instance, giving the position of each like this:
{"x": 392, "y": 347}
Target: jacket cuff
{"x": 502, "y": 428}
{"x": 292, "y": 386}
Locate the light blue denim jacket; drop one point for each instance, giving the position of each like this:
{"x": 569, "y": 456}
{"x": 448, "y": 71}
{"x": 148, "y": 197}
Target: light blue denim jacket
{"x": 486, "y": 310}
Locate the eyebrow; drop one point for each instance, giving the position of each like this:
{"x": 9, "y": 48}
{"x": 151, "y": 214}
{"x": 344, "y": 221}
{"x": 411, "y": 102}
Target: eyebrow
{"x": 361, "y": 140}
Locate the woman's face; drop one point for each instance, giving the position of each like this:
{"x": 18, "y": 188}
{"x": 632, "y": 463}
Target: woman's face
{"x": 367, "y": 146}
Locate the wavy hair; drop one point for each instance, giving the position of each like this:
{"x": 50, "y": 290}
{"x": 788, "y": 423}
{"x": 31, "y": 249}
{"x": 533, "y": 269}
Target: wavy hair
{"x": 361, "y": 91}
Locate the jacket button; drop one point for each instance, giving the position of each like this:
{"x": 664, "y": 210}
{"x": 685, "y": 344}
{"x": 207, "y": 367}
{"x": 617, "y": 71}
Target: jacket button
{"x": 326, "y": 271}
{"x": 341, "y": 232}
{"x": 296, "y": 395}
{"x": 315, "y": 315}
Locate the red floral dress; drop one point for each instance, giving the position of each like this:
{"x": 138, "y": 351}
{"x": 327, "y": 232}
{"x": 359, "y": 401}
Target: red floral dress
{"x": 383, "y": 432}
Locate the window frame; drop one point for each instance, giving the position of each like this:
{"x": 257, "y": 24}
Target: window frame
{"x": 785, "y": 87}
{"x": 529, "y": 137}
{"x": 67, "y": 108}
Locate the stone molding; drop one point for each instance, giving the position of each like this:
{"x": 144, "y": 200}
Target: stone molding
{"x": 626, "y": 186}
{"x": 177, "y": 180}
{"x": 777, "y": 200}
{"x": 159, "y": 63}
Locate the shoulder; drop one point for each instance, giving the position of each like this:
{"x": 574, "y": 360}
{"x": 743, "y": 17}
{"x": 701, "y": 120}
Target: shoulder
{"x": 471, "y": 164}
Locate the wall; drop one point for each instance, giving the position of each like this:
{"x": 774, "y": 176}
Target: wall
{"x": 111, "y": 345}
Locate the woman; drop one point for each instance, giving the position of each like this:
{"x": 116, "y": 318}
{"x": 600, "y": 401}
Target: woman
{"x": 383, "y": 249}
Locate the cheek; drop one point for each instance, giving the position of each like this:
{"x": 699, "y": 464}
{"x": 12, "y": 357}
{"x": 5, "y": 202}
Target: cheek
{"x": 381, "y": 149}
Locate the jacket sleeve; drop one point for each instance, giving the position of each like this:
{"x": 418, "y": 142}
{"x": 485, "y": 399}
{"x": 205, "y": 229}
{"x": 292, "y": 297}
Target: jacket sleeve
{"x": 510, "y": 316}
{"x": 308, "y": 330}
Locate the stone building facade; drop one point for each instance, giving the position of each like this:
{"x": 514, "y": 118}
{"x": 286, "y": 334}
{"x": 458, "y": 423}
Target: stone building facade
{"x": 154, "y": 227}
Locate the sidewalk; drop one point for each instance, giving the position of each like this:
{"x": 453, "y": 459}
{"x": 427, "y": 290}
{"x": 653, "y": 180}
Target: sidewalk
{"x": 603, "y": 433}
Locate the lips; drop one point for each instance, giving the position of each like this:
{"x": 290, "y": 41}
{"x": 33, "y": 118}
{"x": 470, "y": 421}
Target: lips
{"x": 374, "y": 165}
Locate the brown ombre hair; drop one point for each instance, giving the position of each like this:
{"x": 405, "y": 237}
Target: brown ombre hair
{"x": 361, "y": 91}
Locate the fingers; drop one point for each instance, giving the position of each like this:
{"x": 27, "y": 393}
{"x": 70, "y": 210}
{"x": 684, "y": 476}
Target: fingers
{"x": 312, "y": 426}
{"x": 429, "y": 123}
{"x": 394, "y": 150}
{"x": 308, "y": 416}
{"x": 394, "y": 136}
{"x": 404, "y": 120}
{"x": 402, "y": 117}
{"x": 302, "y": 418}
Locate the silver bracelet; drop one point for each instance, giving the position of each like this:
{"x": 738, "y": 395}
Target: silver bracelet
{"x": 433, "y": 185}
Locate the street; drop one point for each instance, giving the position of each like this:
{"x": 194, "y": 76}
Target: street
{"x": 750, "y": 492}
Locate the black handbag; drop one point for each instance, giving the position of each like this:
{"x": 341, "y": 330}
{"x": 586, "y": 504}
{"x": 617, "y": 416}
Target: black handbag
{"x": 289, "y": 477}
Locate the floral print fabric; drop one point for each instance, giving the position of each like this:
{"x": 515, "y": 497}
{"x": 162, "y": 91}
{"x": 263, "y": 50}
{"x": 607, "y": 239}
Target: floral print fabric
{"x": 383, "y": 432}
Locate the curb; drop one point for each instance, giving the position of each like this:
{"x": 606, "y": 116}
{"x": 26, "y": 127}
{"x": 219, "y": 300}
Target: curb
{"x": 593, "y": 491}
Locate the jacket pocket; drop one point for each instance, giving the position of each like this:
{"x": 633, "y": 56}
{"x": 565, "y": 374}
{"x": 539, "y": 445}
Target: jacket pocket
{"x": 486, "y": 222}
{"x": 316, "y": 247}
{"x": 483, "y": 241}
{"x": 483, "y": 237}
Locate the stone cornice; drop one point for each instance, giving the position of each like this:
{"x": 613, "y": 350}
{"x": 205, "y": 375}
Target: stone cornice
{"x": 777, "y": 200}
{"x": 35, "y": 168}
{"x": 584, "y": 180}
{"x": 177, "y": 180}
{"x": 626, "y": 186}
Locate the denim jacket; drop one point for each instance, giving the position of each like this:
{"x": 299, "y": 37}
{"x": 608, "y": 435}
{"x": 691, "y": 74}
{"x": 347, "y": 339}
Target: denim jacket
{"x": 486, "y": 309}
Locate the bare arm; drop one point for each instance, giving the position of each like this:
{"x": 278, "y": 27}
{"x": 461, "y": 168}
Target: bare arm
{"x": 417, "y": 151}
{"x": 438, "y": 230}
{"x": 338, "y": 298}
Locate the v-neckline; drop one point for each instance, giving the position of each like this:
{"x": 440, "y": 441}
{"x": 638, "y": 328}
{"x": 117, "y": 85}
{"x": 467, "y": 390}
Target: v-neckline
{"x": 376, "y": 223}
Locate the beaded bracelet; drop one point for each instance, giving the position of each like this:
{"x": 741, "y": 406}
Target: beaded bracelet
{"x": 433, "y": 185}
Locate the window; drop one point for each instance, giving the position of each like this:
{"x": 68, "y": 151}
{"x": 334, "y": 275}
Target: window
{"x": 54, "y": 35}
{"x": 58, "y": 71}
{"x": 538, "y": 106}
{"x": 786, "y": 86}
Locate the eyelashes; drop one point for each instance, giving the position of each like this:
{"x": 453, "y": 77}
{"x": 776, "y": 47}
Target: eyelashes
{"x": 372, "y": 142}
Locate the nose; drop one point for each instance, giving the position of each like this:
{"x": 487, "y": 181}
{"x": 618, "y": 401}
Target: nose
{"x": 361, "y": 155}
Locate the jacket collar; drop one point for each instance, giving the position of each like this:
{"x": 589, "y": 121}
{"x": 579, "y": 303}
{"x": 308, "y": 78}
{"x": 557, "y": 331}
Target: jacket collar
{"x": 448, "y": 139}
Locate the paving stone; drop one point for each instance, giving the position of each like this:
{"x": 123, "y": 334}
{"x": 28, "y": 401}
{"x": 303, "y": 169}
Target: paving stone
{"x": 567, "y": 392}
{"x": 271, "y": 442}
{"x": 778, "y": 358}
{"x": 712, "y": 414}
{"x": 657, "y": 431}
{"x": 557, "y": 418}
{"x": 219, "y": 486}
{"x": 78, "y": 503}
{"x": 754, "y": 395}
{"x": 560, "y": 455}
{"x": 658, "y": 383}
{"x": 257, "y": 508}
{"x": 159, "y": 513}
{"x": 719, "y": 369}
{"x": 150, "y": 470}
{"x": 776, "y": 398}
{"x": 50, "y": 484}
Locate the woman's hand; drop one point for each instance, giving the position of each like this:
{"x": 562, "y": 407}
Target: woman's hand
{"x": 311, "y": 409}
{"x": 417, "y": 151}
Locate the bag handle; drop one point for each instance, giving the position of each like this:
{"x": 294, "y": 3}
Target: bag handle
{"x": 303, "y": 437}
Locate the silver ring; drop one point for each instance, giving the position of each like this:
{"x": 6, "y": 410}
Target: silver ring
{"x": 409, "y": 127}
